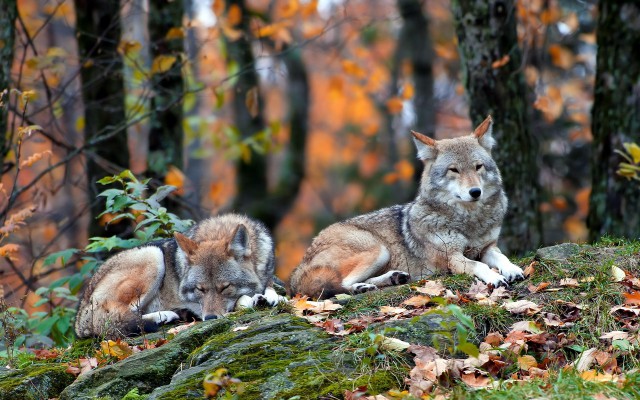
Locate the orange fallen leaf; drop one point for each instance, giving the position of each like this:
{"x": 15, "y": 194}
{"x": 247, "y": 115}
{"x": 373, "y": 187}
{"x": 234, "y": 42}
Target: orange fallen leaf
{"x": 417, "y": 301}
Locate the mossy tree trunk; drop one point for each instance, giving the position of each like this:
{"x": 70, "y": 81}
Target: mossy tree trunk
{"x": 615, "y": 202}
{"x": 166, "y": 137}
{"x": 8, "y": 13}
{"x": 98, "y": 33}
{"x": 487, "y": 34}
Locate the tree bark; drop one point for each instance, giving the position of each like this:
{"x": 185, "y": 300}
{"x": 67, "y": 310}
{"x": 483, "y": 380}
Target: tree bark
{"x": 165, "y": 144}
{"x": 486, "y": 34}
{"x": 98, "y": 33}
{"x": 8, "y": 14}
{"x": 252, "y": 177}
{"x": 614, "y": 201}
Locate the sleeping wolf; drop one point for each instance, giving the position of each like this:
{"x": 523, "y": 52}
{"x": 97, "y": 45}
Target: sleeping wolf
{"x": 220, "y": 263}
{"x": 453, "y": 224}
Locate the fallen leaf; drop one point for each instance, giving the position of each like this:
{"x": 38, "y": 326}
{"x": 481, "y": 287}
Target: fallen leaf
{"x": 432, "y": 288}
{"x": 585, "y": 360}
{"x": 526, "y": 326}
{"x": 475, "y": 379}
{"x": 118, "y": 349}
{"x": 394, "y": 344}
{"x": 530, "y": 269}
{"x": 615, "y": 335}
{"x": 569, "y": 282}
{"x": 522, "y": 307}
{"x": 632, "y": 298}
{"x": 541, "y": 286}
{"x": 501, "y": 62}
{"x": 177, "y": 329}
{"x": 494, "y": 339}
{"x": 594, "y": 376}
{"x": 526, "y": 362}
{"x": 617, "y": 274}
{"x": 392, "y": 310}
{"x": 417, "y": 301}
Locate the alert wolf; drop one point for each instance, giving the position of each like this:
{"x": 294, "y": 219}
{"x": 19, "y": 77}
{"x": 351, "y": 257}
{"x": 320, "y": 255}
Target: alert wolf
{"x": 218, "y": 264}
{"x": 453, "y": 224}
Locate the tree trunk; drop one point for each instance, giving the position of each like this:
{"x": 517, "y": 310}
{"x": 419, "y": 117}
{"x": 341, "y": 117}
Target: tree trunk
{"x": 614, "y": 201}
{"x": 252, "y": 173}
{"x": 165, "y": 145}
{"x": 487, "y": 34}
{"x": 414, "y": 45}
{"x": 8, "y": 13}
{"x": 98, "y": 33}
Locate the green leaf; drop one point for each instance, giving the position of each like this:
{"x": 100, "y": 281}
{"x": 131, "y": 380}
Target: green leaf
{"x": 40, "y": 302}
{"x": 63, "y": 324}
{"x": 44, "y": 327}
{"x": 469, "y": 349}
{"x": 464, "y": 319}
{"x": 64, "y": 255}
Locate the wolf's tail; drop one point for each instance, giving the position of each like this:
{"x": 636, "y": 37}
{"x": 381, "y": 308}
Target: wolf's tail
{"x": 318, "y": 282}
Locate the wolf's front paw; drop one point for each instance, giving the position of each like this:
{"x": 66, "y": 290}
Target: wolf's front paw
{"x": 512, "y": 272}
{"x": 161, "y": 317}
{"x": 489, "y": 276}
{"x": 357, "y": 288}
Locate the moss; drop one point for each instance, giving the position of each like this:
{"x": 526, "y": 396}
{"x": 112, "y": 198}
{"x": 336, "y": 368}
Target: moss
{"x": 488, "y": 319}
{"x": 36, "y": 381}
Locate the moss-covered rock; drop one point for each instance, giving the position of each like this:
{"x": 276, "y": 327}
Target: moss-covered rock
{"x": 37, "y": 381}
{"x": 277, "y": 356}
{"x": 145, "y": 370}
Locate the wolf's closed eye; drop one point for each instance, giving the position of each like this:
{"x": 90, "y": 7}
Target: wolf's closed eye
{"x": 454, "y": 170}
{"x": 479, "y": 166}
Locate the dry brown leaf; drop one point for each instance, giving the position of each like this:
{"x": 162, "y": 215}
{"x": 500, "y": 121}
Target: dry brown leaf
{"x": 526, "y": 362}
{"x": 389, "y": 310}
{"x": 522, "y": 307}
{"x": 177, "y": 329}
{"x": 569, "y": 282}
{"x": 632, "y": 298}
{"x": 526, "y": 326}
{"x": 585, "y": 360}
{"x": 594, "y": 376}
{"x": 432, "y": 288}
{"x": 475, "y": 379}
{"x": 540, "y": 287}
{"x": 530, "y": 269}
{"x": 615, "y": 335}
{"x": 417, "y": 301}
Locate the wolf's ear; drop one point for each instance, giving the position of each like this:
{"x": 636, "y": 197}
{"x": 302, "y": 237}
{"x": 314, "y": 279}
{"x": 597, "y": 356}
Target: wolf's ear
{"x": 187, "y": 245}
{"x": 239, "y": 245}
{"x": 425, "y": 145}
{"x": 483, "y": 133}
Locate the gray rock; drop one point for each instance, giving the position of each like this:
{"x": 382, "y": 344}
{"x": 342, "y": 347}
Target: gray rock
{"x": 37, "y": 381}
{"x": 560, "y": 252}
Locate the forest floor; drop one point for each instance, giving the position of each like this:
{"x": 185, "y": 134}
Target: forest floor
{"x": 570, "y": 330}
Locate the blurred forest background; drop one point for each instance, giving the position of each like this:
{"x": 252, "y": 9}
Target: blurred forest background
{"x": 298, "y": 112}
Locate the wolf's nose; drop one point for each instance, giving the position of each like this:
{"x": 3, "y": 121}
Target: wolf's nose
{"x": 475, "y": 192}
{"x": 208, "y": 317}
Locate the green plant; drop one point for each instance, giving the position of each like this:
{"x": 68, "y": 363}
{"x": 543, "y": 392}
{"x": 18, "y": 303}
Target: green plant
{"x": 631, "y": 168}
{"x": 130, "y": 203}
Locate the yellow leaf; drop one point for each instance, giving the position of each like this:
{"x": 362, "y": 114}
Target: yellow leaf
{"x": 595, "y": 376}
{"x": 80, "y": 124}
{"x": 634, "y": 151}
{"x": 526, "y": 362}
{"x": 118, "y": 349}
{"x": 417, "y": 301}
{"x": 29, "y": 95}
{"x": 252, "y": 102}
{"x": 126, "y": 47}
{"x": 162, "y": 64}
{"x": 57, "y": 52}
{"x": 175, "y": 33}
{"x": 9, "y": 250}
